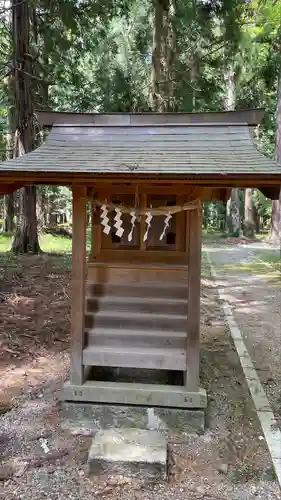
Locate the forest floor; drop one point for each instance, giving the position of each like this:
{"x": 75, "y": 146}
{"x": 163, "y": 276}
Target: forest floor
{"x": 250, "y": 274}
{"x": 230, "y": 461}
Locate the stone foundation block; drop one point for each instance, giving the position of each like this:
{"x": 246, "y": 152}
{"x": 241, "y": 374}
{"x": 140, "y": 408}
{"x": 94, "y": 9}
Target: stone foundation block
{"x": 136, "y": 453}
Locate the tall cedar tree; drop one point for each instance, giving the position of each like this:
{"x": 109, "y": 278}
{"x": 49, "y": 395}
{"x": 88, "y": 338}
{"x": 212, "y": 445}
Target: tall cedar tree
{"x": 163, "y": 53}
{"x": 26, "y": 235}
{"x": 250, "y": 214}
{"x": 276, "y": 204}
{"x": 156, "y": 99}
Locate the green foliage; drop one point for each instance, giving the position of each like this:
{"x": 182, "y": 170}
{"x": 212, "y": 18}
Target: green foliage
{"x": 263, "y": 205}
{"x": 96, "y": 56}
{"x": 214, "y": 216}
{"x": 109, "y": 72}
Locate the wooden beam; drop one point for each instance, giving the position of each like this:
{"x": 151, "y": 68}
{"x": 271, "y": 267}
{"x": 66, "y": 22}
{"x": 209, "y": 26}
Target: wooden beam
{"x": 162, "y": 188}
{"x": 135, "y": 394}
{"x": 210, "y": 180}
{"x": 194, "y": 233}
{"x": 10, "y": 188}
{"x": 79, "y": 198}
{"x": 49, "y": 118}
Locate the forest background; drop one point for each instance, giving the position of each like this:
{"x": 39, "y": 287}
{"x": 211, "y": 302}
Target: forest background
{"x": 136, "y": 56}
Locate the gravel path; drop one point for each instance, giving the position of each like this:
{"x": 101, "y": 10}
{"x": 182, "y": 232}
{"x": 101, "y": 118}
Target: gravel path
{"x": 229, "y": 461}
{"x": 256, "y": 306}
{"x": 199, "y": 469}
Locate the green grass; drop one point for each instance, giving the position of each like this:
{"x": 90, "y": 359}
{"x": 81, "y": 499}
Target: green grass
{"x": 5, "y": 242}
{"x": 266, "y": 264}
{"x": 270, "y": 257}
{"x": 55, "y": 244}
{"x": 270, "y": 263}
{"x": 262, "y": 236}
{"x": 49, "y": 243}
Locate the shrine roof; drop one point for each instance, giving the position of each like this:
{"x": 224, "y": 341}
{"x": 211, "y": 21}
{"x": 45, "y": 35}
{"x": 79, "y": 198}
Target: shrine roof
{"x": 167, "y": 145}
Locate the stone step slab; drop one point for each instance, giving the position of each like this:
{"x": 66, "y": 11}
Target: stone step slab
{"x": 130, "y": 453}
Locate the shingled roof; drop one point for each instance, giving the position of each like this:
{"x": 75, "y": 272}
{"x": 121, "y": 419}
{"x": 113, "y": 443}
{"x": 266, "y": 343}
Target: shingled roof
{"x": 213, "y": 149}
{"x": 167, "y": 149}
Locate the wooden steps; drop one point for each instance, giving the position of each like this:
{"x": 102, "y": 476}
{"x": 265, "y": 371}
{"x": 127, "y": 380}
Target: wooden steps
{"x": 151, "y": 321}
{"x": 135, "y": 338}
{"x": 136, "y": 325}
{"x": 158, "y": 305}
{"x": 168, "y": 290}
{"x": 135, "y": 357}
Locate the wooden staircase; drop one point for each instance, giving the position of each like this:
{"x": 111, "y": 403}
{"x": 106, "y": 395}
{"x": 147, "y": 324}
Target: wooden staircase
{"x": 136, "y": 325}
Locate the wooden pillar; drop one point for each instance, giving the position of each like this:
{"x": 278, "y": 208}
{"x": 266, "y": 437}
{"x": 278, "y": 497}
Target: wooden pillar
{"x": 194, "y": 242}
{"x": 79, "y": 199}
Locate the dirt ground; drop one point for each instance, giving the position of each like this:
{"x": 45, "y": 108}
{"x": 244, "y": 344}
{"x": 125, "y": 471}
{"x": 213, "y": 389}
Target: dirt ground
{"x": 255, "y": 300}
{"x": 229, "y": 461}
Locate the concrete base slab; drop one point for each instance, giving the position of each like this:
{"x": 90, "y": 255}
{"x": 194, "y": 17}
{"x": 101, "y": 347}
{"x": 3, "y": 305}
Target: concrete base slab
{"x": 129, "y": 452}
{"x": 88, "y": 418}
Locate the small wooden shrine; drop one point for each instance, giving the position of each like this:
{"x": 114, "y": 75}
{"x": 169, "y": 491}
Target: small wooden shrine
{"x": 136, "y": 299}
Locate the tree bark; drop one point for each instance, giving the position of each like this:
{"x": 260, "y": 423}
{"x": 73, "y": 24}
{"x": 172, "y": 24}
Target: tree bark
{"x": 169, "y": 52}
{"x": 233, "y": 204}
{"x": 233, "y": 213}
{"x": 275, "y": 221}
{"x": 250, "y": 214}
{"x": 26, "y": 236}
{"x": 41, "y": 209}
{"x": 156, "y": 100}
{"x": 276, "y": 204}
{"x": 9, "y": 208}
{"x": 230, "y": 97}
{"x": 163, "y": 56}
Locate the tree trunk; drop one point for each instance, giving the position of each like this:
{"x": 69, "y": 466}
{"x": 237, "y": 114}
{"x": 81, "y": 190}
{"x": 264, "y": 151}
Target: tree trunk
{"x": 26, "y": 237}
{"x": 41, "y": 209}
{"x": 275, "y": 221}
{"x": 156, "y": 100}
{"x": 169, "y": 51}
{"x": 9, "y": 208}
{"x": 233, "y": 213}
{"x": 163, "y": 56}
{"x": 233, "y": 204}
{"x": 230, "y": 97}
{"x": 276, "y": 204}
{"x": 53, "y": 219}
{"x": 250, "y": 214}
